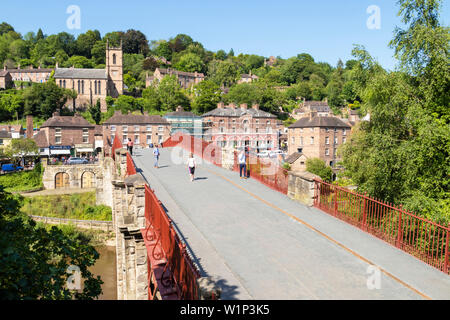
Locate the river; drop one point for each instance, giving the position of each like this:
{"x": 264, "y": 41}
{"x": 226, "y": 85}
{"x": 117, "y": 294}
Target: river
{"x": 105, "y": 267}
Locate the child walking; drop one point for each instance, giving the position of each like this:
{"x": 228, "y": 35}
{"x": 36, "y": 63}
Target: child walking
{"x": 191, "y": 166}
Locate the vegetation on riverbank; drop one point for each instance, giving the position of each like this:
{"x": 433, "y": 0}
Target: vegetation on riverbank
{"x": 74, "y": 206}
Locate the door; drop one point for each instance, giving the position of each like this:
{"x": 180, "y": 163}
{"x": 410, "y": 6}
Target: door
{"x": 87, "y": 180}
{"x": 61, "y": 180}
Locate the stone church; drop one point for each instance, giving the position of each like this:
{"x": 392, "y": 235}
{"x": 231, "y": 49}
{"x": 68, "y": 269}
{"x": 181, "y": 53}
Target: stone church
{"x": 94, "y": 84}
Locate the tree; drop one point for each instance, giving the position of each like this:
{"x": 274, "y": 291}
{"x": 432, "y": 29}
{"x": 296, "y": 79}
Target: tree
{"x": 206, "y": 96}
{"x": 190, "y": 62}
{"x": 96, "y": 112}
{"x": 5, "y": 28}
{"x": 220, "y": 55}
{"x": 135, "y": 41}
{"x": 170, "y": 94}
{"x": 34, "y": 261}
{"x": 318, "y": 167}
{"x": 402, "y": 154}
{"x": 86, "y": 41}
{"x": 19, "y": 148}
{"x": 224, "y": 73}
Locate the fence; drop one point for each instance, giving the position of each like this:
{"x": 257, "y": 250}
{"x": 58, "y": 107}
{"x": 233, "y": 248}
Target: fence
{"x": 179, "y": 273}
{"x": 170, "y": 269}
{"x": 265, "y": 171}
{"x": 424, "y": 239}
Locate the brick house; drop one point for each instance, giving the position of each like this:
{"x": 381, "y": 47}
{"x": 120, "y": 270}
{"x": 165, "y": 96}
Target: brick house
{"x": 6, "y": 81}
{"x": 66, "y": 135}
{"x": 320, "y": 107}
{"x": 247, "y": 78}
{"x": 242, "y": 126}
{"x": 16, "y": 130}
{"x": 30, "y": 74}
{"x": 318, "y": 137}
{"x": 185, "y": 79}
{"x": 142, "y": 129}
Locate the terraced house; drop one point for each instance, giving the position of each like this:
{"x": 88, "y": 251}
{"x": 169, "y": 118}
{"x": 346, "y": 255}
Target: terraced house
{"x": 141, "y": 129}
{"x": 185, "y": 79}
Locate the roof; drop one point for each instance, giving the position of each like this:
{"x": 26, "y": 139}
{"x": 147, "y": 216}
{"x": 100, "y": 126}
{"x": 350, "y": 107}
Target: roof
{"x": 293, "y": 157}
{"x": 332, "y": 122}
{"x": 316, "y": 103}
{"x": 74, "y": 73}
{"x": 34, "y": 70}
{"x": 132, "y": 119}
{"x": 181, "y": 113}
{"x": 238, "y": 112}
{"x": 41, "y": 139}
{"x": 5, "y": 135}
{"x": 249, "y": 76}
{"x": 4, "y": 73}
{"x": 180, "y": 73}
{"x": 67, "y": 121}
{"x": 9, "y": 127}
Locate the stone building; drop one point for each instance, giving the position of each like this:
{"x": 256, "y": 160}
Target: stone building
{"x": 318, "y": 137}
{"x": 242, "y": 126}
{"x": 92, "y": 85}
{"x": 320, "y": 107}
{"x": 247, "y": 78}
{"x": 30, "y": 74}
{"x": 6, "y": 81}
{"x": 66, "y": 136}
{"x": 185, "y": 79}
{"x": 16, "y": 130}
{"x": 141, "y": 129}
{"x": 184, "y": 121}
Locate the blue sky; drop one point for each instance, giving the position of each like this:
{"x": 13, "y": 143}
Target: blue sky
{"x": 326, "y": 29}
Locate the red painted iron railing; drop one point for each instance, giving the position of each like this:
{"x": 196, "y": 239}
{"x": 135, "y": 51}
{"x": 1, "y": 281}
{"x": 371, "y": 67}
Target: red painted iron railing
{"x": 422, "y": 238}
{"x": 179, "y": 275}
{"x": 265, "y": 171}
{"x": 131, "y": 169}
{"x": 117, "y": 144}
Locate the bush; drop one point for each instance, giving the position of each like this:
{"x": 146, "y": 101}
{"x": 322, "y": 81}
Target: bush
{"x": 318, "y": 167}
{"x": 23, "y": 181}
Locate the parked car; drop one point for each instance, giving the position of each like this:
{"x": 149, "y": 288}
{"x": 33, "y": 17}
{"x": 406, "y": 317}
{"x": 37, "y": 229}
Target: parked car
{"x": 11, "y": 168}
{"x": 74, "y": 160}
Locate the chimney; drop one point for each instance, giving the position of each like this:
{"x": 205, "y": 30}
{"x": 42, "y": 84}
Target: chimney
{"x": 312, "y": 114}
{"x": 232, "y": 106}
{"x": 29, "y": 126}
{"x": 255, "y": 106}
{"x": 145, "y": 113}
{"x": 243, "y": 106}
{"x": 220, "y": 105}
{"x": 56, "y": 66}
{"x": 55, "y": 114}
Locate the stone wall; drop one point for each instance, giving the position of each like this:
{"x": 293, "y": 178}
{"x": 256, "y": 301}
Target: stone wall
{"x": 301, "y": 187}
{"x": 128, "y": 196}
{"x": 75, "y": 173}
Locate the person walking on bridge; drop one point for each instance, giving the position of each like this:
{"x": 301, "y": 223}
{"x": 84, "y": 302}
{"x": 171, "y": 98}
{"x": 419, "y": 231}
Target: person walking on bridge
{"x": 156, "y": 155}
{"x": 191, "y": 166}
{"x": 130, "y": 146}
{"x": 242, "y": 164}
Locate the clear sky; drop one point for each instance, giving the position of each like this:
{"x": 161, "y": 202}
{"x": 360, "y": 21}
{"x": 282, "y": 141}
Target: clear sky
{"x": 326, "y": 29}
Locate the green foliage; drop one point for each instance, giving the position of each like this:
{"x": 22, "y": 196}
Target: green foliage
{"x": 34, "y": 260}
{"x": 23, "y": 181}
{"x": 95, "y": 112}
{"x": 76, "y": 206}
{"x": 206, "y": 96}
{"x": 318, "y": 167}
{"x": 190, "y": 62}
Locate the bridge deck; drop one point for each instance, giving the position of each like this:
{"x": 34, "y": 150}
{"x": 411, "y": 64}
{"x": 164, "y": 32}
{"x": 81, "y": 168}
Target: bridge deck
{"x": 262, "y": 245}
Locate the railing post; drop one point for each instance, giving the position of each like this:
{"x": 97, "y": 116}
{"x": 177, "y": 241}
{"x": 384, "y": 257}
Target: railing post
{"x": 400, "y": 229}
{"x": 446, "y": 251}
{"x": 335, "y": 201}
{"x": 364, "y": 217}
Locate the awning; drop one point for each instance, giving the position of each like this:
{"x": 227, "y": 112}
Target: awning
{"x": 59, "y": 151}
{"x": 84, "y": 150}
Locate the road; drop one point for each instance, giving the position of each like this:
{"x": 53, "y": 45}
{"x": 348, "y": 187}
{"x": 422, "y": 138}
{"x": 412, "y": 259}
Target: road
{"x": 259, "y": 244}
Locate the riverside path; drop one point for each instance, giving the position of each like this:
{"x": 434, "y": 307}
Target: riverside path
{"x": 259, "y": 244}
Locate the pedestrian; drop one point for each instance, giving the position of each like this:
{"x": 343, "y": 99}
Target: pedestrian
{"x": 151, "y": 145}
{"x": 156, "y": 155}
{"x": 130, "y": 146}
{"x": 191, "y": 166}
{"x": 242, "y": 164}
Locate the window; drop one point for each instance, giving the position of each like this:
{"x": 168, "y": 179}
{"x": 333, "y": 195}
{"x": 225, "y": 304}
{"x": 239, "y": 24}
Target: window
{"x": 95, "y": 86}
{"x": 301, "y": 141}
{"x": 312, "y": 140}
{"x": 327, "y": 140}
{"x": 79, "y": 86}
{"x": 149, "y": 138}
{"x": 82, "y": 86}
{"x": 327, "y": 152}
{"x": 85, "y": 135}
{"x": 99, "y": 87}
{"x": 64, "y": 83}
{"x": 312, "y": 129}
{"x": 335, "y": 152}
{"x": 136, "y": 128}
{"x": 160, "y": 128}
{"x": 124, "y": 128}
{"x": 301, "y": 129}
{"x": 293, "y": 140}
{"x": 136, "y": 139}
{"x": 344, "y": 132}
{"x": 125, "y": 138}
{"x": 1, "y": 142}
{"x": 327, "y": 129}
{"x": 344, "y": 140}
{"x": 335, "y": 140}
{"x": 256, "y": 130}
{"x": 234, "y": 130}
{"x": 113, "y": 128}
{"x": 113, "y": 136}
{"x": 114, "y": 58}
{"x": 58, "y": 135}
{"x": 149, "y": 128}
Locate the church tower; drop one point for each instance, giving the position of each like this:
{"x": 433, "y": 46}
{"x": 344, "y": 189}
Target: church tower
{"x": 114, "y": 70}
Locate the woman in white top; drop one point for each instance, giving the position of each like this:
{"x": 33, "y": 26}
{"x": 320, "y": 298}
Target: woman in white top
{"x": 191, "y": 166}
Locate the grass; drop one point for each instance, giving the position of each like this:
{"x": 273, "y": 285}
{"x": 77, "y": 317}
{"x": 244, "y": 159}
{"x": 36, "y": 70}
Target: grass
{"x": 75, "y": 206}
{"x": 23, "y": 181}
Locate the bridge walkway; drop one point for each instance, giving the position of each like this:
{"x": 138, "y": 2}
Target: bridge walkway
{"x": 262, "y": 245}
